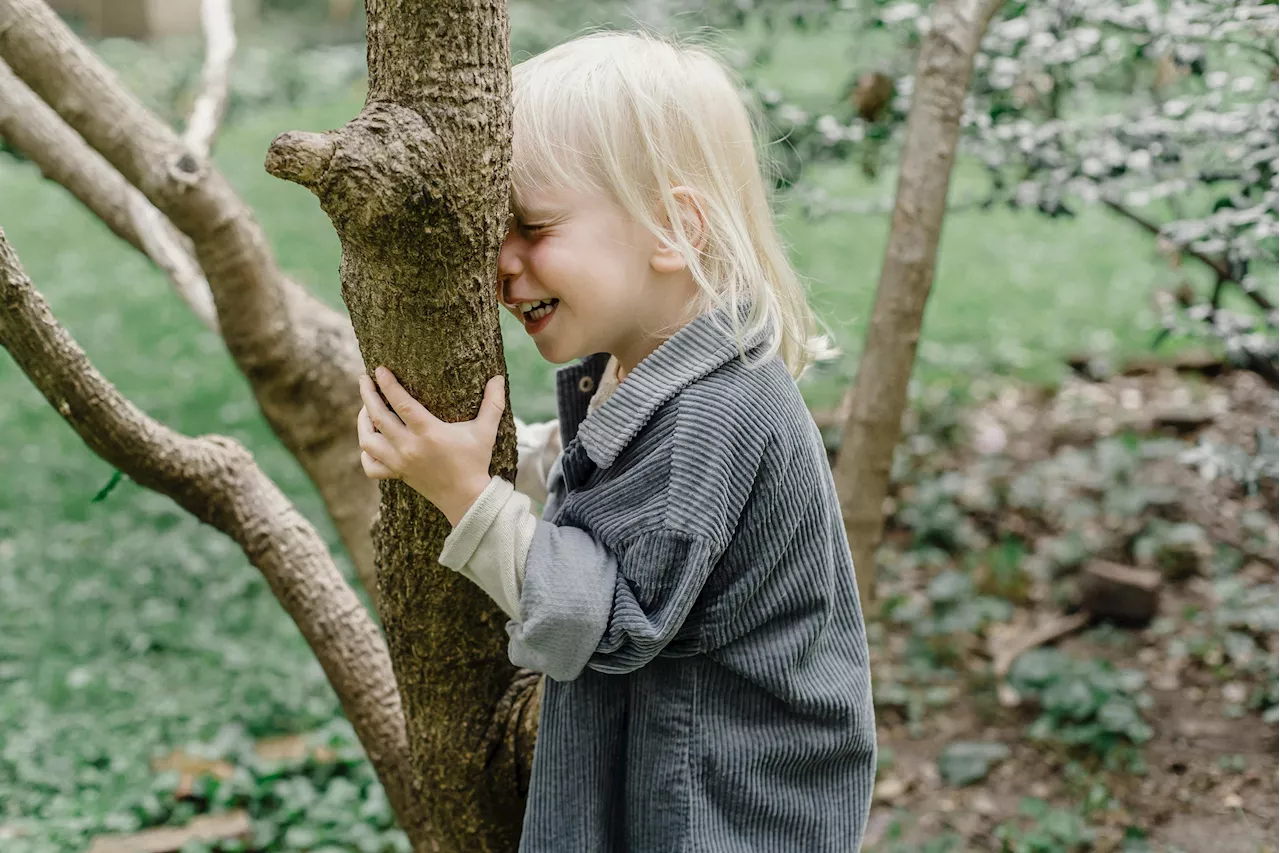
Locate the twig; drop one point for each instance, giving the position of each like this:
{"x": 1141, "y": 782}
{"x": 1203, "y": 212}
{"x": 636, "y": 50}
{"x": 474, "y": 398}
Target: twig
{"x": 220, "y": 47}
{"x": 1003, "y": 656}
{"x": 1218, "y": 265}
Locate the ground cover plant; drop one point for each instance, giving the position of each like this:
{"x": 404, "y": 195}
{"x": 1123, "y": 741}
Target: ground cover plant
{"x": 131, "y": 632}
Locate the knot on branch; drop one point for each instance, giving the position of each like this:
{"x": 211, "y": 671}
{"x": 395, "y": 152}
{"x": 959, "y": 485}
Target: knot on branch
{"x": 187, "y": 169}
{"x": 301, "y": 157}
{"x": 384, "y": 171}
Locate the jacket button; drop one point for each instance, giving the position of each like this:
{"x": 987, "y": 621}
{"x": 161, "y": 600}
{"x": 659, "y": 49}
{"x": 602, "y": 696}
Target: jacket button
{"x": 585, "y": 384}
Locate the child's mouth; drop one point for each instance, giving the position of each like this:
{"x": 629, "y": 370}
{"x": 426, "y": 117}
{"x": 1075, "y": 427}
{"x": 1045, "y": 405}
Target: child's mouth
{"x": 536, "y": 320}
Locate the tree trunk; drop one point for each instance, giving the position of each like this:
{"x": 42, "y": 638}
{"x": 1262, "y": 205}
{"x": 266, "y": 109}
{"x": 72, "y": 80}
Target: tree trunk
{"x": 417, "y": 189}
{"x": 879, "y": 392}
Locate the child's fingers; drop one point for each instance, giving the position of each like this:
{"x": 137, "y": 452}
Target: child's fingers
{"x": 372, "y": 442}
{"x": 410, "y": 410}
{"x": 384, "y": 420}
{"x": 375, "y": 470}
{"x": 364, "y": 425}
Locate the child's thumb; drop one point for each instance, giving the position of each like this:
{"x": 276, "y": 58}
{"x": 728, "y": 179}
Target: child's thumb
{"x": 495, "y": 401}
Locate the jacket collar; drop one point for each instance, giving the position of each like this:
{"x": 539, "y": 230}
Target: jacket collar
{"x": 695, "y": 350}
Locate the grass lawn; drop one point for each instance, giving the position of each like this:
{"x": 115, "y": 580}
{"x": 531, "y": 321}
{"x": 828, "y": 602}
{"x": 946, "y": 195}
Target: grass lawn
{"x": 128, "y": 627}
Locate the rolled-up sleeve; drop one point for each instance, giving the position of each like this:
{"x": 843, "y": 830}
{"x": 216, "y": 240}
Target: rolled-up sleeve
{"x": 583, "y": 605}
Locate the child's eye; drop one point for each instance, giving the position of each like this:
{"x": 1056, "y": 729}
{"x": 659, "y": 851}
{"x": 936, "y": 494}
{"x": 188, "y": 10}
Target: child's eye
{"x": 531, "y": 229}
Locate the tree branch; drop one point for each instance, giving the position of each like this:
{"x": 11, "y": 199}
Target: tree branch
{"x": 220, "y": 47}
{"x": 299, "y": 355}
{"x": 301, "y": 157}
{"x": 1218, "y": 265}
{"x": 62, "y": 156}
{"x": 217, "y": 481}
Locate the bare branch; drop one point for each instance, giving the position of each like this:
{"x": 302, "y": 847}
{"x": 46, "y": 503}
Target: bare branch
{"x": 299, "y": 355}
{"x": 220, "y": 47}
{"x": 62, "y": 156}
{"x": 171, "y": 251}
{"x": 217, "y": 481}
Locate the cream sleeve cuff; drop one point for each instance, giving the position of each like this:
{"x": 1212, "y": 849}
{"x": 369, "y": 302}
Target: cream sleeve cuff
{"x": 490, "y": 544}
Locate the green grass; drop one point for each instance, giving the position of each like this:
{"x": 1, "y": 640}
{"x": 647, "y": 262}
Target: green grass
{"x": 128, "y": 627}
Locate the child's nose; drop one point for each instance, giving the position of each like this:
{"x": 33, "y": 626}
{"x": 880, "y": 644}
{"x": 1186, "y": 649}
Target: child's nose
{"x": 510, "y": 265}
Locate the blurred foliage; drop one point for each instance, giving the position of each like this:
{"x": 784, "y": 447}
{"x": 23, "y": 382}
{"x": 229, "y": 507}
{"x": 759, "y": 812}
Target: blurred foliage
{"x": 1083, "y": 703}
{"x": 1041, "y": 828}
{"x": 1248, "y": 469}
{"x": 1164, "y": 113}
{"x": 277, "y": 65}
{"x": 325, "y": 798}
{"x": 965, "y": 762}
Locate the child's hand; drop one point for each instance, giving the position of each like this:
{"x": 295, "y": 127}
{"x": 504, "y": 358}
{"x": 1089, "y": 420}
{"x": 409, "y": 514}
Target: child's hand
{"x": 447, "y": 463}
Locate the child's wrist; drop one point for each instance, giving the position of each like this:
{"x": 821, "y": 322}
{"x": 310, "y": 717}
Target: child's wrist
{"x": 465, "y": 498}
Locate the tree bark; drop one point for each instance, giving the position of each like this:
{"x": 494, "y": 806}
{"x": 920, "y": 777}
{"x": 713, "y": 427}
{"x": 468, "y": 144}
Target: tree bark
{"x": 879, "y": 392}
{"x": 217, "y": 481}
{"x": 299, "y": 356}
{"x": 416, "y": 187}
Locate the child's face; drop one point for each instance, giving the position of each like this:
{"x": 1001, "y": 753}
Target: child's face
{"x": 585, "y": 251}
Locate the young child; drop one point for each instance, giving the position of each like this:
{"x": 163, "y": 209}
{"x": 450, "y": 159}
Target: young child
{"x": 688, "y": 590}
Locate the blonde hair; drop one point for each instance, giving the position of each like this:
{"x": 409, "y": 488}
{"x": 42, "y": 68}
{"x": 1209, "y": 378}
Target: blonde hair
{"x": 635, "y": 116}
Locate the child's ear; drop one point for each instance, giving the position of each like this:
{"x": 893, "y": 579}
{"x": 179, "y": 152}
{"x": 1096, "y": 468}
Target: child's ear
{"x": 667, "y": 258}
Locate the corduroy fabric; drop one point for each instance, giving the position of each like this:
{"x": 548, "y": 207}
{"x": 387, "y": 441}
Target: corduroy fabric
{"x": 690, "y": 593}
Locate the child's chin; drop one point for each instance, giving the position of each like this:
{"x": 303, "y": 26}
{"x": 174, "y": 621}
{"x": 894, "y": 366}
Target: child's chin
{"x": 556, "y": 354}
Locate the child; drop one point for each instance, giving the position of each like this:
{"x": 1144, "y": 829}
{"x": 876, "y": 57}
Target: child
{"x": 688, "y": 590}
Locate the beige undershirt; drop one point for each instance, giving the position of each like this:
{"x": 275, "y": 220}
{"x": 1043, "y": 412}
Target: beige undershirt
{"x": 491, "y": 541}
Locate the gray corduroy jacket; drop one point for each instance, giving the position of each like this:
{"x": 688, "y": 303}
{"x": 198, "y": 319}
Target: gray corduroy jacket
{"x": 689, "y": 591}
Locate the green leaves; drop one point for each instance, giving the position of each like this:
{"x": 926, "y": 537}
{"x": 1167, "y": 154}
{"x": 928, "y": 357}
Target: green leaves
{"x": 1087, "y": 703}
{"x": 956, "y": 608}
{"x": 966, "y": 762}
{"x": 1044, "y": 829}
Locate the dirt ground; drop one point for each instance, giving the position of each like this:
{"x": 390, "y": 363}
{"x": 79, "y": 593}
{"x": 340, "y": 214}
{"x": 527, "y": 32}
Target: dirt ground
{"x": 1207, "y": 778}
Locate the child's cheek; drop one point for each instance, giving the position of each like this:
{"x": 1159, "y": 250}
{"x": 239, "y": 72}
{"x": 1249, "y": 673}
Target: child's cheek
{"x": 548, "y": 258}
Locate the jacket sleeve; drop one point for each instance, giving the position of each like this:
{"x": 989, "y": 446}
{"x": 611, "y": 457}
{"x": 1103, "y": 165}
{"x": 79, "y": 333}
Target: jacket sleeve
{"x": 584, "y": 605}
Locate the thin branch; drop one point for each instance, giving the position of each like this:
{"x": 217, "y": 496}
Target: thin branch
{"x": 220, "y": 47}
{"x": 171, "y": 251}
{"x": 217, "y": 481}
{"x": 34, "y": 129}
{"x": 1218, "y": 265}
{"x": 1216, "y": 300}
